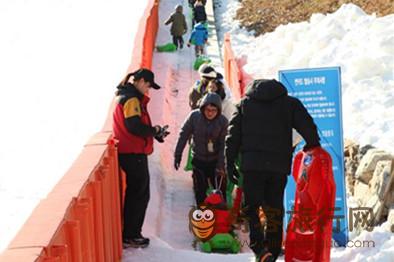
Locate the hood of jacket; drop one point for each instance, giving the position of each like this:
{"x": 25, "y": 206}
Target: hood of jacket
{"x": 128, "y": 90}
{"x": 211, "y": 98}
{"x": 199, "y": 26}
{"x": 266, "y": 90}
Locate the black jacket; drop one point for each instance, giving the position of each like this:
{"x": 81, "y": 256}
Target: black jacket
{"x": 261, "y": 129}
{"x": 199, "y": 14}
{"x": 202, "y": 130}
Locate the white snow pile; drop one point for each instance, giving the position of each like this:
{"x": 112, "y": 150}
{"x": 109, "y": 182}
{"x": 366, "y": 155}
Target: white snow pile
{"x": 362, "y": 45}
{"x": 60, "y": 63}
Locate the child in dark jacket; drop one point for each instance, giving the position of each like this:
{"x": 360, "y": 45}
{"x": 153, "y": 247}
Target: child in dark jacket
{"x": 207, "y": 127}
{"x": 178, "y": 26}
{"x": 199, "y": 14}
{"x": 198, "y": 37}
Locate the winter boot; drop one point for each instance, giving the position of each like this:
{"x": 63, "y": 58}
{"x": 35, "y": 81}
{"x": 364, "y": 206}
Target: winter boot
{"x": 136, "y": 242}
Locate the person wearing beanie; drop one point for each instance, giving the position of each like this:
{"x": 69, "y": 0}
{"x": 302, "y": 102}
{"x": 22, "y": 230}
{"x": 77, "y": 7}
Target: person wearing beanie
{"x": 218, "y": 86}
{"x": 133, "y": 129}
{"x": 207, "y": 73}
{"x": 178, "y": 26}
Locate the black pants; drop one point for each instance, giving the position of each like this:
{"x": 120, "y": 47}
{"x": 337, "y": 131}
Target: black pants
{"x": 178, "y": 41}
{"x": 265, "y": 190}
{"x": 137, "y": 192}
{"x": 202, "y": 173}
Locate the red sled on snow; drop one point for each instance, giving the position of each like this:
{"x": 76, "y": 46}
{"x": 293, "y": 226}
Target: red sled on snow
{"x": 309, "y": 232}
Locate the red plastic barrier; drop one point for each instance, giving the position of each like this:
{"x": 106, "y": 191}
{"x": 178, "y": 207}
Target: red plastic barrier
{"x": 309, "y": 232}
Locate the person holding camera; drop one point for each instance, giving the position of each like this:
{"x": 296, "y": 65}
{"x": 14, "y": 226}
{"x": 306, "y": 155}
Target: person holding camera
{"x": 133, "y": 129}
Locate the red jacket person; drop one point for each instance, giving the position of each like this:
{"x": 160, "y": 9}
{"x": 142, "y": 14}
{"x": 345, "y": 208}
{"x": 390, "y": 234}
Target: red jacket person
{"x": 133, "y": 129}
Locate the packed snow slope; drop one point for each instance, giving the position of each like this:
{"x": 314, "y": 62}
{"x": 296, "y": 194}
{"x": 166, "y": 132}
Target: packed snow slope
{"x": 362, "y": 45}
{"x": 167, "y": 222}
{"x": 60, "y": 63}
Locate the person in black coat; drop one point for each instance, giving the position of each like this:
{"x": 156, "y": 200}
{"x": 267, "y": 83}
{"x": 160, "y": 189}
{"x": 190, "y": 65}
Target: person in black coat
{"x": 260, "y": 132}
{"x": 199, "y": 14}
{"x": 192, "y": 2}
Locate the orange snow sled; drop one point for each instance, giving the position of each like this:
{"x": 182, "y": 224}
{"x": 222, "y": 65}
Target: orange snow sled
{"x": 309, "y": 232}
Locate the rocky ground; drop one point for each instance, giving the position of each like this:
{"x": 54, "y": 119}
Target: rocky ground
{"x": 264, "y": 16}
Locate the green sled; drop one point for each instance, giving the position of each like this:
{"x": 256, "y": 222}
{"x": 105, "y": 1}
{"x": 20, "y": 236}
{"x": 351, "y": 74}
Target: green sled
{"x": 170, "y": 47}
{"x": 224, "y": 242}
{"x": 230, "y": 186}
{"x": 201, "y": 60}
{"x": 189, "y": 166}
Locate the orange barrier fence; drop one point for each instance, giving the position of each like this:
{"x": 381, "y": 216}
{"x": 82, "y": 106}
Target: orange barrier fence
{"x": 80, "y": 220}
{"x": 232, "y": 73}
{"x": 145, "y": 40}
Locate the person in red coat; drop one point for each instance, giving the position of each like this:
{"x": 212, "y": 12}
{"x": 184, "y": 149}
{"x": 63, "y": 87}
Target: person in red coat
{"x": 133, "y": 129}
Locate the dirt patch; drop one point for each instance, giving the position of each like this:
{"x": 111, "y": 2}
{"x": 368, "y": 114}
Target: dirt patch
{"x": 265, "y": 15}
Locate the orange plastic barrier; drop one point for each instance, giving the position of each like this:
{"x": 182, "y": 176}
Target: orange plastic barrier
{"x": 145, "y": 39}
{"x": 232, "y": 73}
{"x": 80, "y": 220}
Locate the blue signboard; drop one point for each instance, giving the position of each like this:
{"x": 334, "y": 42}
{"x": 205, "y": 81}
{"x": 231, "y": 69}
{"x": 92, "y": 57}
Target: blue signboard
{"x": 319, "y": 89}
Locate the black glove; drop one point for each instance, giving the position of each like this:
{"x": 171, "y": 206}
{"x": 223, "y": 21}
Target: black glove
{"x": 177, "y": 162}
{"x": 162, "y": 133}
{"x": 159, "y": 139}
{"x": 233, "y": 174}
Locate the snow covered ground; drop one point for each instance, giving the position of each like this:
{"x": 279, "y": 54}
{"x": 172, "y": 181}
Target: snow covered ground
{"x": 60, "y": 62}
{"x": 362, "y": 45}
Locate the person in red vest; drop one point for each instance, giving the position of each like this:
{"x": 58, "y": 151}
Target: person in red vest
{"x": 133, "y": 129}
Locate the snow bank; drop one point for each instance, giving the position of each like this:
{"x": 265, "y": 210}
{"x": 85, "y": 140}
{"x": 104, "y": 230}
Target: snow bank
{"x": 362, "y": 45}
{"x": 60, "y": 64}
{"x": 377, "y": 245}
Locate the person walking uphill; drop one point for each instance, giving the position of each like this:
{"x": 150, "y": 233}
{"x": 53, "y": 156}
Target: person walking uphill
{"x": 260, "y": 131}
{"x": 207, "y": 128}
{"x": 132, "y": 128}
{"x": 178, "y": 26}
{"x": 198, "y": 37}
{"x": 199, "y": 13}
{"x": 207, "y": 74}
